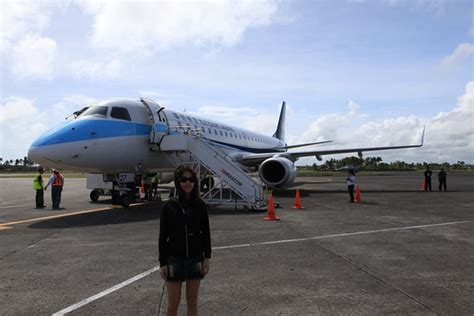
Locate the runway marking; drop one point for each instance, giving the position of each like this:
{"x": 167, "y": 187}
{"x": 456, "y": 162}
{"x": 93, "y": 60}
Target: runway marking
{"x": 340, "y": 235}
{"x": 156, "y": 268}
{"x": 104, "y": 293}
{"x": 12, "y": 206}
{"x": 36, "y": 219}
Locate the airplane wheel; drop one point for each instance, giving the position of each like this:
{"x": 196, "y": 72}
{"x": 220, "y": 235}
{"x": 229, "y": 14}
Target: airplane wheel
{"x": 95, "y": 194}
{"x": 125, "y": 201}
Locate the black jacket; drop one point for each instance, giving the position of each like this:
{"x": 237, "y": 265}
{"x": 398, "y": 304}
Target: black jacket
{"x": 184, "y": 231}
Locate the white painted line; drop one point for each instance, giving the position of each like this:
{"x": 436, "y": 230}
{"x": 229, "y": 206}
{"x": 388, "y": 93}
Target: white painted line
{"x": 340, "y": 235}
{"x": 19, "y": 206}
{"x": 154, "y": 269}
{"x": 108, "y": 291}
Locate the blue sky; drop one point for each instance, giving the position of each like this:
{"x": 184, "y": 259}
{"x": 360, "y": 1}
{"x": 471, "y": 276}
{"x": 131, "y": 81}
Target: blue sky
{"x": 361, "y": 73}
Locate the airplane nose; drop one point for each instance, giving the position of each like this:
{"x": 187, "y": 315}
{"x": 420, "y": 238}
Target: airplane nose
{"x": 34, "y": 153}
{"x": 38, "y": 155}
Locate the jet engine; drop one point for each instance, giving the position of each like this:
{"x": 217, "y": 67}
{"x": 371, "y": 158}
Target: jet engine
{"x": 277, "y": 172}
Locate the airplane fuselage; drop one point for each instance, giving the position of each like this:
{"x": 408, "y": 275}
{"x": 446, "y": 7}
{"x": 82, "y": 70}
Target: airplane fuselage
{"x": 113, "y": 136}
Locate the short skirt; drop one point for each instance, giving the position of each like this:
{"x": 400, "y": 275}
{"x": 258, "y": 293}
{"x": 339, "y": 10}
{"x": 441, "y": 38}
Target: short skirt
{"x": 180, "y": 270}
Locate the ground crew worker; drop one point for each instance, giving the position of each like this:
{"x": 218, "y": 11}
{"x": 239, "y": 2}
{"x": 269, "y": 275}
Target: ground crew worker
{"x": 428, "y": 174}
{"x": 442, "y": 179}
{"x": 38, "y": 185}
{"x": 56, "y": 181}
{"x": 147, "y": 186}
{"x": 154, "y": 184}
{"x": 351, "y": 179}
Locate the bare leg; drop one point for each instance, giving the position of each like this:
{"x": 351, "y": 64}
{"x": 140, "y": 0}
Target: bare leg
{"x": 192, "y": 290}
{"x": 174, "y": 297}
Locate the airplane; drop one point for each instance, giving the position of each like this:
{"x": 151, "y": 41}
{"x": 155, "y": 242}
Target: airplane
{"x": 116, "y": 136}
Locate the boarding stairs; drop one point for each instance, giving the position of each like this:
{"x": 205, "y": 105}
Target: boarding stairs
{"x": 190, "y": 147}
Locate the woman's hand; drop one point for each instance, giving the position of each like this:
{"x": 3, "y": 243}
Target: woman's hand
{"x": 205, "y": 266}
{"x": 164, "y": 272}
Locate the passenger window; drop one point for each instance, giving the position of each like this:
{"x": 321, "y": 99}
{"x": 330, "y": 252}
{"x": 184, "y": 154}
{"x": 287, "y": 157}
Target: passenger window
{"x": 120, "y": 113}
{"x": 96, "y": 110}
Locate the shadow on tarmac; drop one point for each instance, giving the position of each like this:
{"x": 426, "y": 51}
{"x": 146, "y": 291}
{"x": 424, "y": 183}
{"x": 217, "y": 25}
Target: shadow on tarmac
{"x": 140, "y": 213}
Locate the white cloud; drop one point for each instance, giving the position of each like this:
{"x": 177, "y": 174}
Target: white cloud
{"x": 224, "y": 112}
{"x": 157, "y": 25}
{"x": 19, "y": 18}
{"x": 449, "y": 135}
{"x": 96, "y": 70}
{"x": 34, "y": 57}
{"x": 20, "y": 123}
{"x": 463, "y": 51}
{"x": 243, "y": 117}
{"x": 24, "y": 50}
{"x": 68, "y": 105}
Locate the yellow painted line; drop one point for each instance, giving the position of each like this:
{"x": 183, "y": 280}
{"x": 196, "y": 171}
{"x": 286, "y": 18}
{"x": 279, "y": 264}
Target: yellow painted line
{"x": 36, "y": 219}
{"x": 4, "y": 227}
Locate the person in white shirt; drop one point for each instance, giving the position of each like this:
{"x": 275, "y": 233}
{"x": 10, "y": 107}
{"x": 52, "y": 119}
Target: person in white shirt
{"x": 56, "y": 181}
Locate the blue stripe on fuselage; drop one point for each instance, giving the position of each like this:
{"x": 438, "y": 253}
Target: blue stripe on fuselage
{"x": 89, "y": 129}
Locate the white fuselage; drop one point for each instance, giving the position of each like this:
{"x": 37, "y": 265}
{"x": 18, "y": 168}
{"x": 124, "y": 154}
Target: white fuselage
{"x": 114, "y": 136}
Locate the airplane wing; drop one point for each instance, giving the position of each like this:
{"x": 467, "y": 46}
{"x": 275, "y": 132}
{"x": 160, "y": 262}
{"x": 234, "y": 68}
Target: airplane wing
{"x": 306, "y": 144}
{"x": 249, "y": 159}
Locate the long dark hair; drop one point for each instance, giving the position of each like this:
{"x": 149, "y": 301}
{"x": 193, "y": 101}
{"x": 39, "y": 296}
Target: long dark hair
{"x": 178, "y": 173}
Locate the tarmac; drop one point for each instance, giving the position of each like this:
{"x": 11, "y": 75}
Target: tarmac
{"x": 399, "y": 251}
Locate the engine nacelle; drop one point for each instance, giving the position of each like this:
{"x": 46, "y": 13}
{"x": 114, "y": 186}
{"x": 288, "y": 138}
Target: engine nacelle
{"x": 277, "y": 172}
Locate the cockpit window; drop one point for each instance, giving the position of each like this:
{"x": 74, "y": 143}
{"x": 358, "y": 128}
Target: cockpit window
{"x": 120, "y": 113}
{"x": 95, "y": 110}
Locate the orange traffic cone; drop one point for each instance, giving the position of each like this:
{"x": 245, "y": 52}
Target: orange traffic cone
{"x": 271, "y": 210}
{"x": 297, "y": 200}
{"x": 142, "y": 188}
{"x": 423, "y": 185}
{"x": 357, "y": 195}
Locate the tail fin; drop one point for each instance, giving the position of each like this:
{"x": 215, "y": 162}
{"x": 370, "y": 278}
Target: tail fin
{"x": 280, "y": 131}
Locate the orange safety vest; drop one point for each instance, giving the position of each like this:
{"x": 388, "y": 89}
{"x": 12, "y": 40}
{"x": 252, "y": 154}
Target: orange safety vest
{"x": 58, "y": 180}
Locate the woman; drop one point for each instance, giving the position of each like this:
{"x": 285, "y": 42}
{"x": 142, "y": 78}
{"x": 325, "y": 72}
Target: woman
{"x": 185, "y": 241}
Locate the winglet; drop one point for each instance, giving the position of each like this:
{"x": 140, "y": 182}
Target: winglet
{"x": 280, "y": 131}
{"x": 422, "y": 136}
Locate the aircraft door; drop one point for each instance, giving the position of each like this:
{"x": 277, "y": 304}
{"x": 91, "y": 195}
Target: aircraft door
{"x": 157, "y": 116}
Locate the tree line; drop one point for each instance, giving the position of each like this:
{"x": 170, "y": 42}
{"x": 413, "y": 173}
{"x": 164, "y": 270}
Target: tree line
{"x": 17, "y": 165}
{"x": 376, "y": 164}
{"x": 367, "y": 164}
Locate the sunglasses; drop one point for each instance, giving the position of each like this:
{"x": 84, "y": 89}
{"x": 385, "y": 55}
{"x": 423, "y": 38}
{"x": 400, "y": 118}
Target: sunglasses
{"x": 184, "y": 179}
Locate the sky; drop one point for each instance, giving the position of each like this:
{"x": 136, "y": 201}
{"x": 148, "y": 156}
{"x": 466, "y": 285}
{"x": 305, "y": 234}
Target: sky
{"x": 359, "y": 73}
